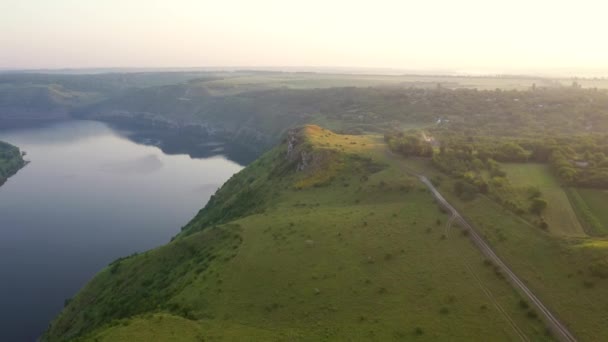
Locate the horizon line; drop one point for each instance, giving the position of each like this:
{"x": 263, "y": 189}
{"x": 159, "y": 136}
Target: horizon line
{"x": 547, "y": 73}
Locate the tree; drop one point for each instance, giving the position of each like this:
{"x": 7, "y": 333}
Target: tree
{"x": 538, "y": 206}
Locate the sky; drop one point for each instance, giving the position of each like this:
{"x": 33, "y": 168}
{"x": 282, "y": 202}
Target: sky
{"x": 470, "y": 36}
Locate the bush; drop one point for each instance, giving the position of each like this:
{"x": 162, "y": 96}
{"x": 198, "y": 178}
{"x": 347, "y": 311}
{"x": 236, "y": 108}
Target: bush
{"x": 538, "y": 206}
{"x": 465, "y": 191}
{"x": 531, "y": 314}
{"x": 523, "y": 304}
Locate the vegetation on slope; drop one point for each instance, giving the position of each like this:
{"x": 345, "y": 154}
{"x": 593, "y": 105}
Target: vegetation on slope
{"x": 11, "y": 160}
{"x": 323, "y": 238}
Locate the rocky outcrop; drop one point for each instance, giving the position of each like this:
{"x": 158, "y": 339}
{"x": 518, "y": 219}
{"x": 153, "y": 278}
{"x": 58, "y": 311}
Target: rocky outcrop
{"x": 305, "y": 156}
{"x": 298, "y": 151}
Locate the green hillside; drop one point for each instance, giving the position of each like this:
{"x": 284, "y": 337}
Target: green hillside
{"x": 325, "y": 237}
{"x": 11, "y": 161}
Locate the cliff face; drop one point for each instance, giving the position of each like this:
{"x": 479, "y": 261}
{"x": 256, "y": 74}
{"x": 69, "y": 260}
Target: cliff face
{"x": 296, "y": 162}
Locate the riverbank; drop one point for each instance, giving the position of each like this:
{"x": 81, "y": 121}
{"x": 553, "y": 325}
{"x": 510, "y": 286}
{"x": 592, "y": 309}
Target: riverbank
{"x": 11, "y": 161}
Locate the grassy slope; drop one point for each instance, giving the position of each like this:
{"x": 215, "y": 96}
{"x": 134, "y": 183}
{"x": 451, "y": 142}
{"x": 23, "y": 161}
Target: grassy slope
{"x": 559, "y": 214}
{"x": 569, "y": 274}
{"x": 356, "y": 255}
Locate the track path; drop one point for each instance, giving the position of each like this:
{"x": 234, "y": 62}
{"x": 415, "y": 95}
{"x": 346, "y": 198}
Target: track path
{"x": 560, "y": 331}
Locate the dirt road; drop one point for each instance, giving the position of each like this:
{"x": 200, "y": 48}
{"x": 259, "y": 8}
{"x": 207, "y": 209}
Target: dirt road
{"x": 559, "y": 330}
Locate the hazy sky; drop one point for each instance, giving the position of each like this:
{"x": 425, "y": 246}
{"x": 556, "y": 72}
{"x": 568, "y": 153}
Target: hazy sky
{"x": 423, "y": 34}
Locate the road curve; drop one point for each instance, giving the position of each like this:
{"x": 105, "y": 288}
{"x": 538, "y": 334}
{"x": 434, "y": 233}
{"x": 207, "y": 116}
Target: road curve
{"x": 559, "y": 330}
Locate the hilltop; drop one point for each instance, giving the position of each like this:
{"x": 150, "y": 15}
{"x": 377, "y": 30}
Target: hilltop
{"x": 324, "y": 237}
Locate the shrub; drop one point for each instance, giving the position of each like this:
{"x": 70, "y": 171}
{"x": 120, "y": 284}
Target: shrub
{"x": 538, "y": 206}
{"x": 523, "y": 304}
{"x": 465, "y": 191}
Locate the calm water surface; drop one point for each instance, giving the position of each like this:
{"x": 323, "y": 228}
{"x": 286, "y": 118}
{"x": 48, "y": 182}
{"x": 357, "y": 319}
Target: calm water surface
{"x": 88, "y": 196}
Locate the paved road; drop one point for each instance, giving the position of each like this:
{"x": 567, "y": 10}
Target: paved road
{"x": 559, "y": 330}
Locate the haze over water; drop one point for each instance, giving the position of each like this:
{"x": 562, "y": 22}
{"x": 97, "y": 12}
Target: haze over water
{"x": 88, "y": 196}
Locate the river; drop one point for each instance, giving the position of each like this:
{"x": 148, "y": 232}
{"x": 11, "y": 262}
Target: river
{"x": 88, "y": 196}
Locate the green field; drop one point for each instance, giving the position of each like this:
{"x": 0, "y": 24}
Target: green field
{"x": 591, "y": 207}
{"x": 350, "y": 248}
{"x": 559, "y": 214}
{"x": 569, "y": 274}
{"x": 597, "y": 200}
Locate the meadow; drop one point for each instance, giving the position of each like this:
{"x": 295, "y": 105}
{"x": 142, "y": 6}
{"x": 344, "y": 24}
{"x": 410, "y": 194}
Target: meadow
{"x": 559, "y": 214}
{"x": 568, "y": 273}
{"x": 590, "y": 206}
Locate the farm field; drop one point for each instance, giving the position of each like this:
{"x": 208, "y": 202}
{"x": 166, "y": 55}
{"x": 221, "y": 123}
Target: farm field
{"x": 591, "y": 207}
{"x": 597, "y": 200}
{"x": 564, "y": 272}
{"x": 559, "y": 215}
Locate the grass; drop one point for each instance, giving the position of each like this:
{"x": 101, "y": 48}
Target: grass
{"x": 590, "y": 206}
{"x": 166, "y": 327}
{"x": 358, "y": 258}
{"x": 586, "y": 216}
{"x": 569, "y": 274}
{"x": 559, "y": 215}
